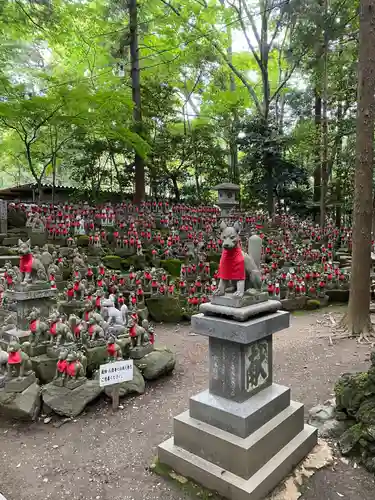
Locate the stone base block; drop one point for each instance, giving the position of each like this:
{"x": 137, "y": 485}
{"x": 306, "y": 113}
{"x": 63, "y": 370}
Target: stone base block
{"x": 243, "y": 457}
{"x": 37, "y": 350}
{"x": 222, "y": 306}
{"x": 19, "y": 384}
{"x": 44, "y": 367}
{"x": 241, "y": 332}
{"x": 240, "y": 419}
{"x": 139, "y": 352}
{"x": 232, "y": 486}
{"x": 2, "y": 381}
{"x": 231, "y": 300}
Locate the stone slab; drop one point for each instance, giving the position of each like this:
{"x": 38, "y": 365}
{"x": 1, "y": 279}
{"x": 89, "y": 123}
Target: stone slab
{"x": 19, "y": 384}
{"x": 240, "y": 419}
{"x": 230, "y": 300}
{"x": 243, "y": 457}
{"x": 240, "y": 313}
{"x": 231, "y": 486}
{"x": 141, "y": 351}
{"x": 238, "y": 371}
{"x": 31, "y": 294}
{"x": 244, "y": 332}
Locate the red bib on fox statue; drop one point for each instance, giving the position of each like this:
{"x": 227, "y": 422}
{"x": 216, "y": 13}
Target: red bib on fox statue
{"x": 26, "y": 263}
{"x": 232, "y": 264}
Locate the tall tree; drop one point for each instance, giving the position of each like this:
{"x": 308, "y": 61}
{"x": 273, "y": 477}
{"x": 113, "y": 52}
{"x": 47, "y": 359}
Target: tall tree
{"x": 136, "y": 91}
{"x": 357, "y": 319}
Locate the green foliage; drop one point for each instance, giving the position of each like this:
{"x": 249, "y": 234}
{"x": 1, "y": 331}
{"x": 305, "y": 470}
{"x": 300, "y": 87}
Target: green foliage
{"x": 172, "y": 266}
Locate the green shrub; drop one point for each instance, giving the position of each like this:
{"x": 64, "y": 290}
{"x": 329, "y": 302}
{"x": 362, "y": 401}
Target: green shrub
{"x": 214, "y": 266}
{"x": 172, "y": 266}
{"x": 214, "y": 257}
{"x": 113, "y": 262}
{"x": 83, "y": 241}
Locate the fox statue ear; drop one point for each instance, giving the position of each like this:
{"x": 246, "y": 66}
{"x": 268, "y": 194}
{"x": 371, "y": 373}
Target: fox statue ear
{"x": 20, "y": 242}
{"x": 223, "y": 225}
{"x": 28, "y": 242}
{"x": 237, "y": 227}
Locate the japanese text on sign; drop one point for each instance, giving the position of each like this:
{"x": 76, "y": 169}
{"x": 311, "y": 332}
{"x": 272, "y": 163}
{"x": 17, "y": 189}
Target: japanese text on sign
{"x": 116, "y": 372}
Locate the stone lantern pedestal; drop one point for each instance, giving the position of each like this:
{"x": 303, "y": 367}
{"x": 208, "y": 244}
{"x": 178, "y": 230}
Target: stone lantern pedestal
{"x": 243, "y": 435}
{"x": 227, "y": 197}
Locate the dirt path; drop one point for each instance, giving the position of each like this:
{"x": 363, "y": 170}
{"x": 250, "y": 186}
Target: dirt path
{"x": 105, "y": 456}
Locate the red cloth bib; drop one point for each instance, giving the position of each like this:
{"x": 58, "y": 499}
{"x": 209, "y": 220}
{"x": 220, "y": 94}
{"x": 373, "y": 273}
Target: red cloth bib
{"x": 71, "y": 369}
{"x": 52, "y": 329}
{"x": 26, "y": 263}
{"x": 232, "y": 264}
{"x": 14, "y": 358}
{"x": 33, "y": 325}
{"x": 61, "y": 365}
{"x": 111, "y": 349}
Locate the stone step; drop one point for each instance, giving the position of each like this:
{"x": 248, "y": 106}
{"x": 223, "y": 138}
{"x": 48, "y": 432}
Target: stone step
{"x": 243, "y": 457}
{"x": 234, "y": 487}
{"x": 240, "y": 419}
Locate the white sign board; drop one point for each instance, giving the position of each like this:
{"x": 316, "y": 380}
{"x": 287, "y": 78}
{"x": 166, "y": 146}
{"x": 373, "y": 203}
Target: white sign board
{"x": 116, "y": 372}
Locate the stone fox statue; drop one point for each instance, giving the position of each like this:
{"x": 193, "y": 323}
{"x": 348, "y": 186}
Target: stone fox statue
{"x": 31, "y": 268}
{"x": 237, "y": 267}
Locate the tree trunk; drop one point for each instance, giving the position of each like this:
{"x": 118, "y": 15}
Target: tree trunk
{"x": 338, "y": 213}
{"x": 136, "y": 93}
{"x": 324, "y": 170}
{"x": 317, "y": 152}
{"x": 176, "y": 189}
{"x": 358, "y": 315}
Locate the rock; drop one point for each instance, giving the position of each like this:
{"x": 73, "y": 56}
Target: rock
{"x": 135, "y": 386}
{"x": 157, "y": 363}
{"x": 22, "y": 405}
{"x": 323, "y": 418}
{"x": 350, "y": 439}
{"x": 165, "y": 309}
{"x": 70, "y": 403}
{"x": 322, "y": 413}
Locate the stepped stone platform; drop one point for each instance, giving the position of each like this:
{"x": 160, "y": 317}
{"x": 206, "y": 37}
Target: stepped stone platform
{"x": 243, "y": 435}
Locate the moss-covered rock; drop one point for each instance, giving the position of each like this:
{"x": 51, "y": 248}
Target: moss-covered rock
{"x": 134, "y": 386}
{"x": 349, "y": 441}
{"x": 165, "y": 309}
{"x": 113, "y": 262}
{"x": 172, "y": 266}
{"x": 157, "y": 363}
{"x": 366, "y": 412}
{"x": 312, "y": 304}
{"x": 350, "y": 392}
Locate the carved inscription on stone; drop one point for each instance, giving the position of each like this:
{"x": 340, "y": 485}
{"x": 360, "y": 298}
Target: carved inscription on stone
{"x": 256, "y": 365}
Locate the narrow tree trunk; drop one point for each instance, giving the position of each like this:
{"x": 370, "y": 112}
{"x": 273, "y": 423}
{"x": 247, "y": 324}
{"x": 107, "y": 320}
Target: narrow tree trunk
{"x": 338, "y": 213}
{"x": 358, "y": 315}
{"x": 176, "y": 189}
{"x": 317, "y": 152}
{"x": 136, "y": 93}
{"x": 324, "y": 175}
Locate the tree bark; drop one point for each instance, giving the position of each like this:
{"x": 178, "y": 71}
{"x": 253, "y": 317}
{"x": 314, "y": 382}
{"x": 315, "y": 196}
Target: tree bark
{"x": 176, "y": 189}
{"x": 317, "y": 152}
{"x": 358, "y": 315}
{"x": 324, "y": 169}
{"x": 136, "y": 93}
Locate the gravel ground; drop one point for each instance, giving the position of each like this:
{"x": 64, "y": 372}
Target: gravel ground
{"x": 105, "y": 456}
